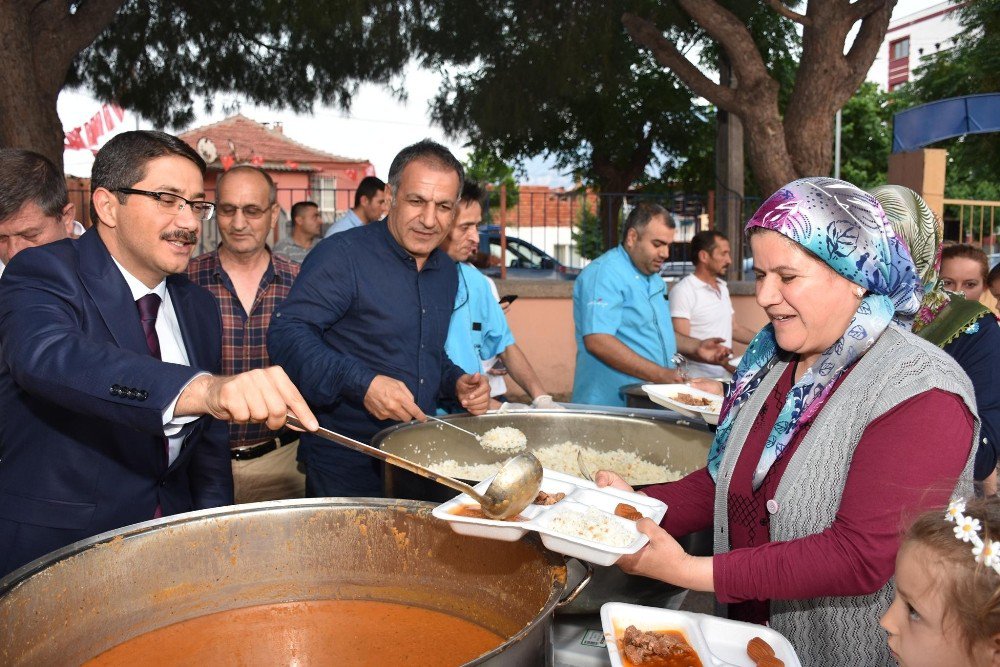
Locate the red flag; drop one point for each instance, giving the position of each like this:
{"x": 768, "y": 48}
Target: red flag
{"x": 227, "y": 161}
{"x": 291, "y": 164}
{"x": 109, "y": 120}
{"x": 257, "y": 160}
{"x": 352, "y": 174}
{"x": 74, "y": 141}
{"x": 370, "y": 170}
{"x": 95, "y": 130}
{"x": 118, "y": 112}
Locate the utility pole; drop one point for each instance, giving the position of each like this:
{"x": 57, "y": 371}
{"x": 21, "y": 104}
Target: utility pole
{"x": 729, "y": 175}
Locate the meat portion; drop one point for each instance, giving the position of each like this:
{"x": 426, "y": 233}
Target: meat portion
{"x": 548, "y": 498}
{"x": 657, "y": 647}
{"x": 696, "y": 401}
{"x": 627, "y": 511}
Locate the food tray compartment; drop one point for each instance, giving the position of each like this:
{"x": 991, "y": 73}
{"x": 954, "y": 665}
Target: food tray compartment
{"x": 607, "y": 502}
{"x": 599, "y": 553}
{"x": 718, "y": 641}
{"x": 581, "y": 495}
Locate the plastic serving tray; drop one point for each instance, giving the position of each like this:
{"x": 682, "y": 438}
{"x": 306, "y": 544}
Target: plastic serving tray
{"x": 663, "y": 394}
{"x": 719, "y": 642}
{"x": 580, "y": 495}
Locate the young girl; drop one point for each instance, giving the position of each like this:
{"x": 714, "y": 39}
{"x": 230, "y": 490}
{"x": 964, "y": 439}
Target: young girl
{"x": 947, "y": 605}
{"x": 964, "y": 269}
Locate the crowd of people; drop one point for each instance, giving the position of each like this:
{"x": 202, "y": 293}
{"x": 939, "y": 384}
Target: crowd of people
{"x": 138, "y": 382}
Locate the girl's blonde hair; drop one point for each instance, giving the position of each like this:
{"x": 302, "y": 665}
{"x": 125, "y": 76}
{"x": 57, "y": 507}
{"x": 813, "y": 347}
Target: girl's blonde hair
{"x": 971, "y": 590}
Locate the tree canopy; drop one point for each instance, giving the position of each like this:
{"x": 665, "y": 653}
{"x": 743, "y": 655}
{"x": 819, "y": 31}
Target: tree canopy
{"x": 156, "y": 57}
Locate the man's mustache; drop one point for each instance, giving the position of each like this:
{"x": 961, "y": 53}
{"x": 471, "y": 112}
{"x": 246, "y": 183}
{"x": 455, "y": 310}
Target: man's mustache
{"x": 181, "y": 235}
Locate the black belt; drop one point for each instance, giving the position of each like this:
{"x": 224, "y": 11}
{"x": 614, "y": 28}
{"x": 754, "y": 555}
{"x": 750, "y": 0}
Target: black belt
{"x": 266, "y": 447}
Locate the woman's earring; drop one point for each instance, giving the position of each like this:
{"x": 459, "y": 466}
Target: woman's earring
{"x": 860, "y": 292}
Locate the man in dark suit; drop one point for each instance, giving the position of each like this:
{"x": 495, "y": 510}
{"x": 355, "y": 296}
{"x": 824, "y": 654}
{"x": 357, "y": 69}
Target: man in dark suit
{"x": 109, "y": 407}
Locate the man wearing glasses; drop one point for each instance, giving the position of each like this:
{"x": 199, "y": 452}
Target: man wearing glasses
{"x": 247, "y": 282}
{"x": 109, "y": 405}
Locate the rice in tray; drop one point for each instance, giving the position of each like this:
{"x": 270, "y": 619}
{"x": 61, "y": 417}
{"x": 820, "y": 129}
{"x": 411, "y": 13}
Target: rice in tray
{"x": 504, "y": 439}
{"x": 592, "y": 525}
{"x": 562, "y": 458}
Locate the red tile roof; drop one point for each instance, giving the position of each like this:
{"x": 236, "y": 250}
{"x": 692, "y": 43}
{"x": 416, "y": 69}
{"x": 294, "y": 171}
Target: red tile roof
{"x": 247, "y": 138}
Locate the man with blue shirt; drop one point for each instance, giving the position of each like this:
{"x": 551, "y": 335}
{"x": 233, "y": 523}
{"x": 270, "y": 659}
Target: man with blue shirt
{"x": 369, "y": 206}
{"x": 623, "y": 329}
{"x": 478, "y": 329}
{"x": 362, "y": 331}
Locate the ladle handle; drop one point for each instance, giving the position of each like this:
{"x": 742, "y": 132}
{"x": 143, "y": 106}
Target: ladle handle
{"x": 391, "y": 459}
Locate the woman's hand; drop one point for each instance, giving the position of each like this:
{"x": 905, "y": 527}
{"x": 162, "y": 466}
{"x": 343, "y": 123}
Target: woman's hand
{"x": 605, "y": 478}
{"x": 711, "y": 386}
{"x": 665, "y": 559}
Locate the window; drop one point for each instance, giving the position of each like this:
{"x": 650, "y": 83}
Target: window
{"x": 324, "y": 193}
{"x": 900, "y": 48}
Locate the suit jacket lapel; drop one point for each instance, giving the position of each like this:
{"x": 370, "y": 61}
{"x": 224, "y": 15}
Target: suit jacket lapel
{"x": 110, "y": 293}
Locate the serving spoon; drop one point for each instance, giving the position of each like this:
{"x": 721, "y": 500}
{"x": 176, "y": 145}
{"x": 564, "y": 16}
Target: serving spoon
{"x": 513, "y": 488}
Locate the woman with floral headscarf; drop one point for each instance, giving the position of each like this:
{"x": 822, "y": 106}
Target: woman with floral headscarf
{"x": 964, "y": 329}
{"x": 839, "y": 421}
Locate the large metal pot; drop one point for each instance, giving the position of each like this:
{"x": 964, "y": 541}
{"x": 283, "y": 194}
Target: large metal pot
{"x": 79, "y": 601}
{"x": 663, "y": 437}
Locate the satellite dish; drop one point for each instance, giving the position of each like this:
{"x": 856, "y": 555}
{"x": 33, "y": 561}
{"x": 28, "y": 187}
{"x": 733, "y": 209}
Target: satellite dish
{"x": 207, "y": 150}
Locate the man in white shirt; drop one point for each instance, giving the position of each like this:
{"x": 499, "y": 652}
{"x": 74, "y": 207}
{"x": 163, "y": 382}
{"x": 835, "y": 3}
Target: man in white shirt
{"x": 34, "y": 205}
{"x": 700, "y": 306}
{"x": 107, "y": 358}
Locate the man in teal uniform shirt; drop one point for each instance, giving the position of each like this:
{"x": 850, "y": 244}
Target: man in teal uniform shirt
{"x": 623, "y": 329}
{"x": 478, "y": 330}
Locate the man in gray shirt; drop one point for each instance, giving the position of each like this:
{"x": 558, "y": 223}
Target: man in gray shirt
{"x": 306, "y": 226}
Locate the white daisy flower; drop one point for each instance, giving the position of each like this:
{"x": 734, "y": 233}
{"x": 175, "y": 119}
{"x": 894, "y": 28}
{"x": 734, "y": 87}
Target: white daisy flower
{"x": 967, "y": 527}
{"x": 955, "y": 509}
{"x": 988, "y": 554}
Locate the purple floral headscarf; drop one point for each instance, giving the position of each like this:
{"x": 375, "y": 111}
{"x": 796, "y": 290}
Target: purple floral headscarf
{"x": 846, "y": 228}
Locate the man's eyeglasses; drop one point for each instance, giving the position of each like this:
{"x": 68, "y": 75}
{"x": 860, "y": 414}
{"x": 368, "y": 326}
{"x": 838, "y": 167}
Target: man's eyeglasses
{"x": 174, "y": 204}
{"x": 250, "y": 211}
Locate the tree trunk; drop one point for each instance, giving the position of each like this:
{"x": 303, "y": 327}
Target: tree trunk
{"x": 613, "y": 182}
{"x": 38, "y": 42}
{"x": 780, "y": 150}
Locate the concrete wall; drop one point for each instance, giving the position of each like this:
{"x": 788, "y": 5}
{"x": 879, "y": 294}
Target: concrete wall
{"x": 542, "y": 322}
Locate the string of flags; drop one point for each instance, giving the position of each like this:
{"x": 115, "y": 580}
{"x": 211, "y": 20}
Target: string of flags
{"x": 88, "y": 135}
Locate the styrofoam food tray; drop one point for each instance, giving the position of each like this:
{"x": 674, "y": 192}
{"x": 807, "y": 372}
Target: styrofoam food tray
{"x": 719, "y": 642}
{"x": 663, "y": 394}
{"x": 580, "y": 495}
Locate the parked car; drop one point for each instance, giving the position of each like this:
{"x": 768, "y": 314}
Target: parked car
{"x": 523, "y": 259}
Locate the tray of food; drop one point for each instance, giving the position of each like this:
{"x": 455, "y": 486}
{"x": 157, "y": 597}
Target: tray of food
{"x": 571, "y": 515}
{"x": 686, "y": 400}
{"x": 637, "y": 635}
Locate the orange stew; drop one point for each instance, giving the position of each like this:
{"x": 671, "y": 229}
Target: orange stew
{"x": 476, "y": 512}
{"x": 663, "y": 648}
{"x": 327, "y": 632}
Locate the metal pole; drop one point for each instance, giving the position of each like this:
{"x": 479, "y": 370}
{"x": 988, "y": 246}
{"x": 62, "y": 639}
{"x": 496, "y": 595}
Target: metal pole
{"x": 836, "y": 148}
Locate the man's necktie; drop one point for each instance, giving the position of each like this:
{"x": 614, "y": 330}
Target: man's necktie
{"x": 148, "y": 307}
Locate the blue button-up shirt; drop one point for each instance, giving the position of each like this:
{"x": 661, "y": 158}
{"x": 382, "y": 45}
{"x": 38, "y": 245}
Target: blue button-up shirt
{"x": 349, "y": 220}
{"x": 613, "y": 297}
{"x": 478, "y": 329}
{"x": 358, "y": 309}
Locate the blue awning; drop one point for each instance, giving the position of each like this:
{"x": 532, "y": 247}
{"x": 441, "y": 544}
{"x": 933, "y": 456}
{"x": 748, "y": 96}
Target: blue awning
{"x": 944, "y": 119}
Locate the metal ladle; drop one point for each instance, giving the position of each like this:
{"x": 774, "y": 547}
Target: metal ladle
{"x": 513, "y": 488}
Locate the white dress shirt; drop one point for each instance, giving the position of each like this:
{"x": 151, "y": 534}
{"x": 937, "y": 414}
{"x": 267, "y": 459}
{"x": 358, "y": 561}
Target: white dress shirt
{"x": 172, "y": 350}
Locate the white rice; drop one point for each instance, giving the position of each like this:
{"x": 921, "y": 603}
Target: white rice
{"x": 504, "y": 439}
{"x": 592, "y": 525}
{"x": 562, "y": 458}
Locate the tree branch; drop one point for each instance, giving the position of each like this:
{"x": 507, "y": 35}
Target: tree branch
{"x": 863, "y": 8}
{"x": 867, "y": 43}
{"x": 79, "y": 30}
{"x": 732, "y": 35}
{"x": 788, "y": 13}
{"x": 645, "y": 33}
